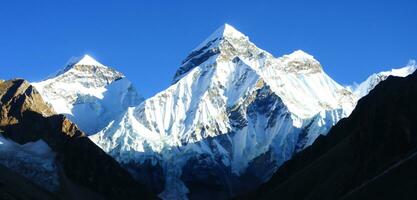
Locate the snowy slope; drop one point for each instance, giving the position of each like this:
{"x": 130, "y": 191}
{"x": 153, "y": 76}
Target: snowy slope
{"x": 232, "y": 111}
{"x": 365, "y": 87}
{"x": 89, "y": 93}
{"x": 34, "y": 161}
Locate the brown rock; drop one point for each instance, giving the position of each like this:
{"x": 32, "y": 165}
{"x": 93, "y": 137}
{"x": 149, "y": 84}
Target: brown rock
{"x": 17, "y": 96}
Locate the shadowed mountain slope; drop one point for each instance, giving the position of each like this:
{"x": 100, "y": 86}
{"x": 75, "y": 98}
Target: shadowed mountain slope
{"x": 371, "y": 154}
{"x": 85, "y": 171}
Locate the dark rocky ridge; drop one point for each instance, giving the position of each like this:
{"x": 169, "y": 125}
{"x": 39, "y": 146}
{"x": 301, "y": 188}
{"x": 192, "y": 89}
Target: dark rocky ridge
{"x": 24, "y": 117}
{"x": 369, "y": 155}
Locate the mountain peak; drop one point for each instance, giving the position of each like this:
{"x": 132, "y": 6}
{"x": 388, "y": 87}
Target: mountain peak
{"x": 300, "y": 54}
{"x": 228, "y": 31}
{"x": 85, "y": 60}
{"x": 300, "y": 61}
{"x": 83, "y": 63}
{"x": 224, "y": 31}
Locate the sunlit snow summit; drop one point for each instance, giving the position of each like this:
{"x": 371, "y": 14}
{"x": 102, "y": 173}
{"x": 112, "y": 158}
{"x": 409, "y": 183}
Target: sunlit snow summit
{"x": 89, "y": 93}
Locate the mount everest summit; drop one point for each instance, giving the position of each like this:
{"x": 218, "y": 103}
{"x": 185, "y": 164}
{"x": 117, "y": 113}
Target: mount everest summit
{"x": 233, "y": 113}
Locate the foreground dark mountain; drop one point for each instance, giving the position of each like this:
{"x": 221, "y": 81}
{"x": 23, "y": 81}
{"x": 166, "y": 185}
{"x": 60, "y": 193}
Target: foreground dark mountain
{"x": 84, "y": 170}
{"x": 371, "y": 154}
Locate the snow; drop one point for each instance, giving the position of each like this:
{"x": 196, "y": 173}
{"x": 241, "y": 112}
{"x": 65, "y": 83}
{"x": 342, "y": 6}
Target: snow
{"x": 235, "y": 105}
{"x": 39, "y": 147}
{"x": 300, "y": 55}
{"x": 366, "y": 86}
{"x": 225, "y": 30}
{"x": 88, "y": 60}
{"x": 34, "y": 161}
{"x": 230, "y": 102}
{"x": 89, "y": 93}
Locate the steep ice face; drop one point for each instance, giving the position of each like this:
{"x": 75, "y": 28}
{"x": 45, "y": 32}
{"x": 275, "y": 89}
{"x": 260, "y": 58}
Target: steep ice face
{"x": 89, "y": 93}
{"x": 233, "y": 108}
{"x": 365, "y": 87}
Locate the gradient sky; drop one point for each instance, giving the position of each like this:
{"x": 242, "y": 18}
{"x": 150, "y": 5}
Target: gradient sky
{"x": 147, "y": 40}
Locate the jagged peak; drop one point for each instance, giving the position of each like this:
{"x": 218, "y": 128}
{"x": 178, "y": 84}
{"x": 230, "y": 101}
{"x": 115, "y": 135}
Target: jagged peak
{"x": 84, "y": 63}
{"x": 228, "y": 31}
{"x": 300, "y": 55}
{"x": 83, "y": 60}
{"x": 209, "y": 48}
{"x": 300, "y": 61}
{"x": 224, "y": 31}
{"x": 86, "y": 60}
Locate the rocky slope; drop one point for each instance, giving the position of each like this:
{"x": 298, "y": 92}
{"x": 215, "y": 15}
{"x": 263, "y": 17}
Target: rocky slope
{"x": 44, "y": 143}
{"x": 369, "y": 155}
{"x": 89, "y": 93}
{"x": 233, "y": 114}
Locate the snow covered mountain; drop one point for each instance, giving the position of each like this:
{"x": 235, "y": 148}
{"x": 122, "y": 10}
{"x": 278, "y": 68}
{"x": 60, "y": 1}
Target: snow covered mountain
{"x": 365, "y": 87}
{"x": 89, "y": 93}
{"x": 234, "y": 112}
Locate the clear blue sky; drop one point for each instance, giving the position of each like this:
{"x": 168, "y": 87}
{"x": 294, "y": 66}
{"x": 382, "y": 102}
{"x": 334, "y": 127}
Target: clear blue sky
{"x": 147, "y": 40}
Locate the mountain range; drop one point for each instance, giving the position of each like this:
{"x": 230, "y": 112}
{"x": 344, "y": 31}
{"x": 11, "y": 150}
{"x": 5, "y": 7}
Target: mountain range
{"x": 233, "y": 117}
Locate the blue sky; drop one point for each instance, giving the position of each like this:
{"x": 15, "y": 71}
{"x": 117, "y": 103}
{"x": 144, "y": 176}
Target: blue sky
{"x": 147, "y": 40}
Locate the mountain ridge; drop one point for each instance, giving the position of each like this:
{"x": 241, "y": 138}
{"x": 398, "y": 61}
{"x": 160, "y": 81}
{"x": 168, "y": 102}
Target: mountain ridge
{"x": 230, "y": 102}
{"x": 232, "y": 108}
{"x": 32, "y": 125}
{"x": 363, "y": 155}
{"x": 366, "y": 86}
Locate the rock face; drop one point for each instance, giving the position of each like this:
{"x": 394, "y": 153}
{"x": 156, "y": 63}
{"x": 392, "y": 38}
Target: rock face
{"x": 17, "y": 96}
{"x": 89, "y": 93}
{"x": 233, "y": 113}
{"x": 369, "y": 155}
{"x": 85, "y": 170}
